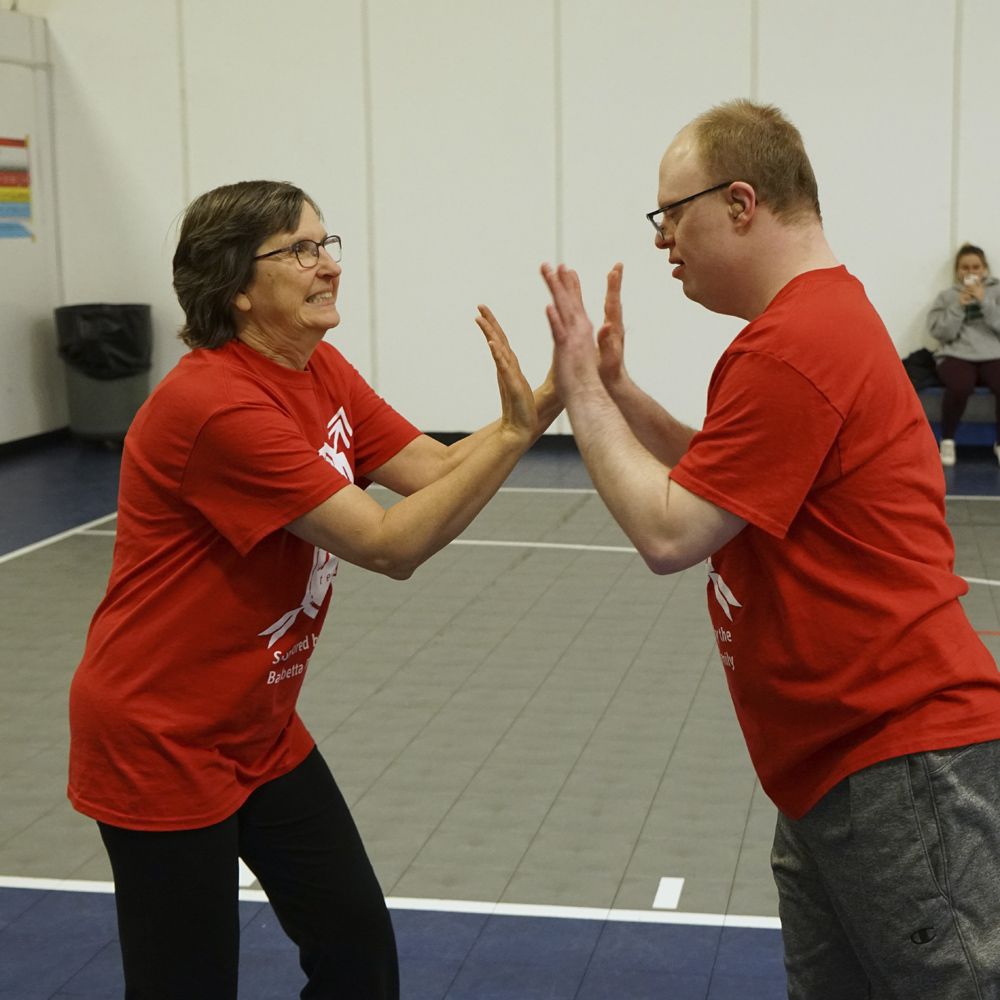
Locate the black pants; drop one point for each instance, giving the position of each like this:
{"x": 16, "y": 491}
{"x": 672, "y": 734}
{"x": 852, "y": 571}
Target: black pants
{"x": 177, "y": 896}
{"x": 960, "y": 377}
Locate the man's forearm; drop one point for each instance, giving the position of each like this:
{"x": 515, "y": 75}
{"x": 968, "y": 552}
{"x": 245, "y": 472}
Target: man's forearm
{"x": 629, "y": 444}
{"x": 631, "y": 481}
{"x": 661, "y": 434}
{"x": 670, "y": 527}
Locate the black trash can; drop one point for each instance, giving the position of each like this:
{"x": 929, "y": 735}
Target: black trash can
{"x": 108, "y": 350}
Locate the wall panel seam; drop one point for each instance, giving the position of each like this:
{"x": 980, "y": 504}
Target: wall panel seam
{"x": 558, "y": 123}
{"x": 27, "y": 63}
{"x": 369, "y": 125}
{"x": 956, "y": 122}
{"x": 48, "y": 78}
{"x": 183, "y": 98}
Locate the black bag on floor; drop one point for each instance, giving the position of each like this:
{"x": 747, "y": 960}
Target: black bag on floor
{"x": 921, "y": 368}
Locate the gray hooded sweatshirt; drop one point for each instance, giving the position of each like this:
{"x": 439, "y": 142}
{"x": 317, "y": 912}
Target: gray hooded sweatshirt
{"x": 968, "y": 332}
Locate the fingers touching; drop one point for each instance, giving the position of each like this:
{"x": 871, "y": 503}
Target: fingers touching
{"x": 613, "y": 299}
{"x": 567, "y": 315}
{"x": 516, "y": 398}
{"x": 495, "y": 337}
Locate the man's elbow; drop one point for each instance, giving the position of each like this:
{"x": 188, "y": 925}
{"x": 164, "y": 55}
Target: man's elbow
{"x": 664, "y": 557}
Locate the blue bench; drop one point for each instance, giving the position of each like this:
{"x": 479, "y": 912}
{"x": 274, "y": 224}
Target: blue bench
{"x": 978, "y": 424}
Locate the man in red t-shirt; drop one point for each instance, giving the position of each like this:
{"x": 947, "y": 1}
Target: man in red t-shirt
{"x": 815, "y": 495}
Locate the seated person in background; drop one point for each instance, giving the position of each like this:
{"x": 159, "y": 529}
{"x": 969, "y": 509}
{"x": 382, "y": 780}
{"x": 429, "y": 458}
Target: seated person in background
{"x": 966, "y": 320}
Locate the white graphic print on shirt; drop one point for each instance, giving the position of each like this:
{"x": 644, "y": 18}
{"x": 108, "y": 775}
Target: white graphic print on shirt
{"x": 726, "y": 601}
{"x": 324, "y": 567}
{"x": 722, "y": 593}
{"x": 339, "y": 430}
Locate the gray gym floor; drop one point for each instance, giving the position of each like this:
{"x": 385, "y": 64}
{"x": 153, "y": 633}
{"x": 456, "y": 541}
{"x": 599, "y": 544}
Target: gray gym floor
{"x": 521, "y": 724}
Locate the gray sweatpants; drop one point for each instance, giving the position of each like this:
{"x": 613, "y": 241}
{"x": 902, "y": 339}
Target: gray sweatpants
{"x": 889, "y": 887}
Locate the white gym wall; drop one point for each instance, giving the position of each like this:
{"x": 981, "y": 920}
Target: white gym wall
{"x": 32, "y": 396}
{"x": 456, "y": 144}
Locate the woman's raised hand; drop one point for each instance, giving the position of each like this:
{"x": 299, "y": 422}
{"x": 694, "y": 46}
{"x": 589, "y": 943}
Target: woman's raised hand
{"x": 517, "y": 401}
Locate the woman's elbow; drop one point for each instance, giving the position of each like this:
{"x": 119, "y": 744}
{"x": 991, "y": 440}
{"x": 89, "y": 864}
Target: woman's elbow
{"x": 393, "y": 567}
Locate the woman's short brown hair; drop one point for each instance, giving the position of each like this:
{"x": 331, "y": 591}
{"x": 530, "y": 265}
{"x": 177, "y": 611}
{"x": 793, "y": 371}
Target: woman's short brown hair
{"x": 213, "y": 263}
{"x": 969, "y": 250}
{"x": 756, "y": 143}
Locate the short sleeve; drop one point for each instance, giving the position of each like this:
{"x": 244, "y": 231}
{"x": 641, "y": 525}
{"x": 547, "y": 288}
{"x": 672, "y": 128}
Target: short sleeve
{"x": 768, "y": 433}
{"x": 251, "y": 471}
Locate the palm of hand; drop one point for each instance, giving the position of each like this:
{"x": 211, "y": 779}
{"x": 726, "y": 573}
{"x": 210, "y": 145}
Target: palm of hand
{"x": 611, "y": 336}
{"x": 518, "y": 401}
{"x": 610, "y": 352}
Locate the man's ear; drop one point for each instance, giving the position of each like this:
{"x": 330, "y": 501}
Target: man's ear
{"x": 742, "y": 202}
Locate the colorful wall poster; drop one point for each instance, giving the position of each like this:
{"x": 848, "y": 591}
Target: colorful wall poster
{"x": 15, "y": 189}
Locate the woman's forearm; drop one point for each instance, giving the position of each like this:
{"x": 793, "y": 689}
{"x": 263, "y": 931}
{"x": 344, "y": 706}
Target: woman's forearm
{"x": 395, "y": 541}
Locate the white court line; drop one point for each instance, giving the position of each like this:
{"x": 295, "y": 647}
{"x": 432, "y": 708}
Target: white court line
{"x": 458, "y": 906}
{"x": 100, "y": 531}
{"x": 519, "y": 489}
{"x": 668, "y": 893}
{"x": 579, "y": 489}
{"x": 56, "y": 538}
{"x": 582, "y": 913}
{"x": 618, "y": 548}
{"x": 57, "y": 884}
{"x": 86, "y": 529}
{"x": 547, "y": 489}
{"x": 546, "y": 545}
{"x": 83, "y": 528}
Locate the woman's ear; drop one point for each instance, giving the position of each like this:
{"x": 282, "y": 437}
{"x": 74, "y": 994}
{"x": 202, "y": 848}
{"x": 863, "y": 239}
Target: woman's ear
{"x": 242, "y": 302}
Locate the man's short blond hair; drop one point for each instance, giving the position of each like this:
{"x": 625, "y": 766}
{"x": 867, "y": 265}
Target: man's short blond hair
{"x": 756, "y": 143}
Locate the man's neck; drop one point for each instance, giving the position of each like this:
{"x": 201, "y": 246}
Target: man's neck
{"x": 780, "y": 254}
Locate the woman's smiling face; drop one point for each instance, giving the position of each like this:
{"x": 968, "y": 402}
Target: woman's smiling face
{"x": 286, "y": 298}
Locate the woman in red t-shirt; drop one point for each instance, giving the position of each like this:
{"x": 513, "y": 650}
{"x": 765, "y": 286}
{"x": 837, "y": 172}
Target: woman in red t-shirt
{"x": 242, "y": 486}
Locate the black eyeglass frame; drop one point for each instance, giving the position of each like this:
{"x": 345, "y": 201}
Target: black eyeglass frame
{"x": 313, "y": 259}
{"x": 677, "y": 204}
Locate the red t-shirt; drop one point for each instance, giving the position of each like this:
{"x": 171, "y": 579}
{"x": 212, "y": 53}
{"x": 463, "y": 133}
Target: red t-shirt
{"x": 185, "y": 699}
{"x": 836, "y": 609}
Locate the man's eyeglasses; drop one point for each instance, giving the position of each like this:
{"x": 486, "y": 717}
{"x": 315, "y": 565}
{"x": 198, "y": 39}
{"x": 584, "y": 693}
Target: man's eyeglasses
{"x": 658, "y": 226}
{"x": 307, "y": 251}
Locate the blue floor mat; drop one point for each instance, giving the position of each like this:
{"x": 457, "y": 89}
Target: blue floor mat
{"x": 64, "y": 944}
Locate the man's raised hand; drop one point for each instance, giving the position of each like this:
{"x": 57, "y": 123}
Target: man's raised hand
{"x": 574, "y": 360}
{"x": 611, "y": 336}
